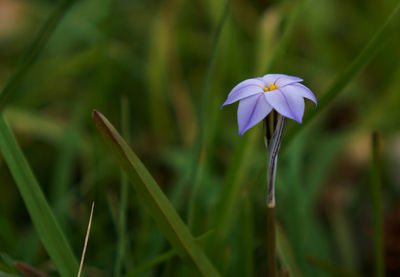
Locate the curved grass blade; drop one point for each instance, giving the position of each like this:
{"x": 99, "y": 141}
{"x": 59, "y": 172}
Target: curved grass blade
{"x": 158, "y": 205}
{"x": 343, "y": 79}
{"x": 45, "y": 223}
{"x": 34, "y": 50}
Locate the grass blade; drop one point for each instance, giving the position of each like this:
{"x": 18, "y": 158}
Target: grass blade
{"x": 330, "y": 269}
{"x": 42, "y": 216}
{"x": 64, "y": 166}
{"x": 343, "y": 79}
{"x": 28, "y": 271}
{"x": 285, "y": 253}
{"x": 161, "y": 258}
{"x": 199, "y": 145}
{"x": 86, "y": 241}
{"x": 34, "y": 50}
{"x": 376, "y": 195}
{"x": 247, "y": 238}
{"x": 168, "y": 220}
{"x": 123, "y": 207}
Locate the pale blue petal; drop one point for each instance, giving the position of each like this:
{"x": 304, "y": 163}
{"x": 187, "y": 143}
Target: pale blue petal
{"x": 244, "y": 89}
{"x": 300, "y": 90}
{"x": 288, "y": 105}
{"x": 280, "y": 80}
{"x": 252, "y": 110}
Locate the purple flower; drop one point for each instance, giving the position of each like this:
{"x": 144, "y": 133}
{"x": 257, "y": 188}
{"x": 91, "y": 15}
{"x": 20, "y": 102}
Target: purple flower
{"x": 259, "y": 96}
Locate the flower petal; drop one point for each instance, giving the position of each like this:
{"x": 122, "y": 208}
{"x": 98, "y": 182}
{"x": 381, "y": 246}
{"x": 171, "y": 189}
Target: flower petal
{"x": 244, "y": 89}
{"x": 251, "y": 111}
{"x": 280, "y": 80}
{"x": 287, "y": 104}
{"x": 300, "y": 90}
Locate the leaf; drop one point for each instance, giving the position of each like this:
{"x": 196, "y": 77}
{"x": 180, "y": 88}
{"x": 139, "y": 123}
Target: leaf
{"x": 161, "y": 209}
{"x": 285, "y": 253}
{"x": 45, "y": 223}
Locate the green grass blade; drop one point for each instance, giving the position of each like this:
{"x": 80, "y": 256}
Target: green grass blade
{"x": 347, "y": 75}
{"x": 344, "y": 240}
{"x": 161, "y": 258}
{"x": 376, "y": 195}
{"x": 42, "y": 216}
{"x": 284, "y": 40}
{"x": 331, "y": 269}
{"x": 199, "y": 146}
{"x": 157, "y": 66}
{"x": 222, "y": 217}
{"x": 246, "y": 268}
{"x": 34, "y": 50}
{"x": 158, "y": 205}
{"x": 123, "y": 207}
{"x": 285, "y": 253}
{"x": 64, "y": 166}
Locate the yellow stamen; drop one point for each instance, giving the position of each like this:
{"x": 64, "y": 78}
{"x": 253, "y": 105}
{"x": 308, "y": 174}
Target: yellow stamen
{"x": 270, "y": 88}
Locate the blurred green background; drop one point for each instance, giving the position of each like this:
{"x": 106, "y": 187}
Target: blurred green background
{"x": 168, "y": 65}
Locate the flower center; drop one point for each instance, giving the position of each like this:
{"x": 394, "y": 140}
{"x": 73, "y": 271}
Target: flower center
{"x": 270, "y": 88}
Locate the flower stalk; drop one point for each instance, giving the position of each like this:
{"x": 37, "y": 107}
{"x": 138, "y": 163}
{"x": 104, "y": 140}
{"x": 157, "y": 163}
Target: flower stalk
{"x": 270, "y": 99}
{"x": 274, "y": 124}
{"x": 273, "y": 135}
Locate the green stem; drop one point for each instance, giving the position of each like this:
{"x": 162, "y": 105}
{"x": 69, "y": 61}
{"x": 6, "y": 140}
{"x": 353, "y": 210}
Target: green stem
{"x": 274, "y": 124}
{"x": 273, "y": 143}
{"x": 271, "y": 244}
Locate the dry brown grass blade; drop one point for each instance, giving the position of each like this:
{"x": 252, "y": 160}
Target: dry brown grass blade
{"x": 86, "y": 241}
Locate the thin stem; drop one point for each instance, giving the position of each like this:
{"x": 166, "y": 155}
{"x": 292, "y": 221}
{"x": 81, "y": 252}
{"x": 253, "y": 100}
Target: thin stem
{"x": 271, "y": 244}
{"x": 86, "y": 242}
{"x": 273, "y": 124}
{"x": 273, "y": 146}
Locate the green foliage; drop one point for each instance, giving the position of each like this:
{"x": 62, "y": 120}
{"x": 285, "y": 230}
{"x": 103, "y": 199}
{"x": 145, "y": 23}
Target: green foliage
{"x": 155, "y": 201}
{"x": 173, "y": 63}
{"x": 42, "y": 216}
